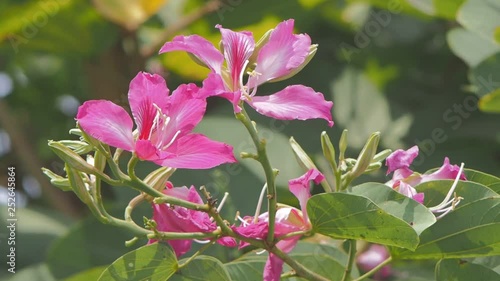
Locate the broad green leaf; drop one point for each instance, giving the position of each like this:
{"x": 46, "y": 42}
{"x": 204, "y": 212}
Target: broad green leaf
{"x": 447, "y": 8}
{"x": 482, "y": 178}
{"x": 489, "y": 262}
{"x": 490, "y": 102}
{"x": 486, "y": 76}
{"x": 481, "y": 17}
{"x": 396, "y": 204}
{"x": 204, "y": 268}
{"x": 347, "y": 216}
{"x": 152, "y": 262}
{"x": 464, "y": 232}
{"x": 470, "y": 46}
{"x": 248, "y": 270}
{"x": 89, "y": 274}
{"x": 320, "y": 264}
{"x": 459, "y": 270}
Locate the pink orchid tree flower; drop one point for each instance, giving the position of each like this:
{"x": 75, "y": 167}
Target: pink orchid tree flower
{"x": 180, "y": 219}
{"x": 404, "y": 179}
{"x": 371, "y": 258}
{"x": 164, "y": 124}
{"x": 283, "y": 55}
{"x": 288, "y": 220}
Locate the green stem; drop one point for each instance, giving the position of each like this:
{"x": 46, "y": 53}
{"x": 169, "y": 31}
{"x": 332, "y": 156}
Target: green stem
{"x": 351, "y": 259}
{"x": 375, "y": 269}
{"x": 260, "y": 145}
{"x": 292, "y": 234}
{"x": 288, "y": 274}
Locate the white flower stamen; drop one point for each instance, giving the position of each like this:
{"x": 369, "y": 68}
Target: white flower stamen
{"x": 259, "y": 204}
{"x": 201, "y": 241}
{"x": 219, "y": 208}
{"x": 448, "y": 205}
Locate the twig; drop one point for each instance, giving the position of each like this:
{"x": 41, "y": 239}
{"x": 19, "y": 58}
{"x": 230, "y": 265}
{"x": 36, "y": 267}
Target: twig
{"x": 184, "y": 22}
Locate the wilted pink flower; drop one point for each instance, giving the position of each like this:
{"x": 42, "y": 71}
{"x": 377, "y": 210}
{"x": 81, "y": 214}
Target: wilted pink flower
{"x": 180, "y": 219}
{"x": 372, "y": 257}
{"x": 288, "y": 220}
{"x": 164, "y": 124}
{"x": 404, "y": 179}
{"x": 283, "y": 55}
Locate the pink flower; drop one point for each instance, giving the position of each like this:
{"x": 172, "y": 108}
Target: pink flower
{"x": 179, "y": 219}
{"x": 280, "y": 57}
{"x": 288, "y": 220}
{"x": 372, "y": 257}
{"x": 164, "y": 124}
{"x": 404, "y": 179}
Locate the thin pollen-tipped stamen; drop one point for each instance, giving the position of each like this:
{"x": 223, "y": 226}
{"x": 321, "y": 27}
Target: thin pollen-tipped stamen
{"x": 173, "y": 139}
{"x": 445, "y": 202}
{"x": 226, "y": 194}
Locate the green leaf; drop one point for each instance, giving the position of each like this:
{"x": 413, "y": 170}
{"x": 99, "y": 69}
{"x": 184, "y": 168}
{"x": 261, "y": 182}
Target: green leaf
{"x": 204, "y": 268}
{"x": 490, "y": 102}
{"x": 89, "y": 274}
{"x": 470, "y": 46}
{"x": 481, "y": 17}
{"x": 152, "y": 262}
{"x": 396, "y": 204}
{"x": 486, "y": 76}
{"x": 459, "y": 270}
{"x": 482, "y": 178}
{"x": 464, "y": 232}
{"x": 247, "y": 270}
{"x": 489, "y": 262}
{"x": 347, "y": 216}
{"x": 321, "y": 264}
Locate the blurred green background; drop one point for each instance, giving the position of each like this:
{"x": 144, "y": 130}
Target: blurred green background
{"x": 423, "y": 72}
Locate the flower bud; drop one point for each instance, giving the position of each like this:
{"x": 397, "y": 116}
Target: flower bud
{"x": 56, "y": 180}
{"x": 71, "y": 158}
{"x": 382, "y": 155}
{"x": 80, "y": 188}
{"x": 312, "y": 52}
{"x": 366, "y": 155}
{"x": 329, "y": 151}
{"x": 158, "y": 178}
{"x": 342, "y": 144}
{"x": 79, "y": 147}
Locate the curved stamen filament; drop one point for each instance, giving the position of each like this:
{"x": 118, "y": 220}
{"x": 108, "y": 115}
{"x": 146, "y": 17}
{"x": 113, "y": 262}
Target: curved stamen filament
{"x": 172, "y": 140}
{"x": 447, "y": 201}
{"x": 226, "y": 194}
{"x": 259, "y": 204}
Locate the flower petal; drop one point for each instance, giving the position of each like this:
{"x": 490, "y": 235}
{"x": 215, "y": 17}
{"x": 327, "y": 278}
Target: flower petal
{"x": 401, "y": 159}
{"x": 145, "y": 150}
{"x": 107, "y": 122}
{"x": 196, "y": 151}
{"x": 198, "y": 46}
{"x": 274, "y": 265}
{"x": 300, "y": 188}
{"x": 283, "y": 52}
{"x": 446, "y": 172}
{"x": 238, "y": 47}
{"x": 144, "y": 91}
{"x": 294, "y": 102}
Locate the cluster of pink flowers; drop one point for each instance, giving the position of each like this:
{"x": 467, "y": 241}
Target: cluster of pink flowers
{"x": 164, "y": 124}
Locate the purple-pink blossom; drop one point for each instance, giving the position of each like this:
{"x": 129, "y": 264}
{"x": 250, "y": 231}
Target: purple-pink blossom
{"x": 288, "y": 220}
{"x": 371, "y": 258}
{"x": 180, "y": 219}
{"x": 404, "y": 179}
{"x": 281, "y": 56}
{"x": 164, "y": 124}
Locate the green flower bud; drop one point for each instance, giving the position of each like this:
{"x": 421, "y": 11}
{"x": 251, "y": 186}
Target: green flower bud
{"x": 71, "y": 158}
{"x": 342, "y": 144}
{"x": 76, "y": 180}
{"x": 329, "y": 151}
{"x": 79, "y": 147}
{"x": 382, "y": 155}
{"x": 366, "y": 155}
{"x": 56, "y": 180}
{"x": 158, "y": 178}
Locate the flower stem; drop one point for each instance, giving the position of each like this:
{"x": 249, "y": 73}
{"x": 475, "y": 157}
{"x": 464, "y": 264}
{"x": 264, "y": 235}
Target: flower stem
{"x": 374, "y": 270}
{"x": 350, "y": 261}
{"x": 260, "y": 145}
{"x": 201, "y": 250}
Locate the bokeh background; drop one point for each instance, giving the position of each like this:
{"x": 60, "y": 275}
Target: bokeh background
{"x": 422, "y": 72}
